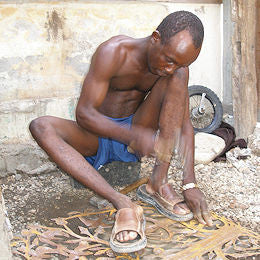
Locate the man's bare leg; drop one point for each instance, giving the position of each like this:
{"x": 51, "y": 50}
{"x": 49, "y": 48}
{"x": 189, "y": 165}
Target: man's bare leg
{"x": 66, "y": 143}
{"x": 147, "y": 116}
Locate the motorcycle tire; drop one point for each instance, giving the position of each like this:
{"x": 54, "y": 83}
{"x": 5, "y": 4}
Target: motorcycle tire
{"x": 213, "y": 109}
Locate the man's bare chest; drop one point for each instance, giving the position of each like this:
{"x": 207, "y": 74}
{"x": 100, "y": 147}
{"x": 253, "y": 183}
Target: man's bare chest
{"x": 137, "y": 81}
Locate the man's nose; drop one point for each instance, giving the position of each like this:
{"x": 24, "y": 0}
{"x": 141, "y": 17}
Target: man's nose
{"x": 170, "y": 69}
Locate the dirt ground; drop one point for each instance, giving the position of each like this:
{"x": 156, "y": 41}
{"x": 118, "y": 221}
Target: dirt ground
{"x": 231, "y": 188}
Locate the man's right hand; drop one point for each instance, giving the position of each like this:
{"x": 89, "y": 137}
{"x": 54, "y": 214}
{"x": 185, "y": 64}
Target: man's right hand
{"x": 196, "y": 201}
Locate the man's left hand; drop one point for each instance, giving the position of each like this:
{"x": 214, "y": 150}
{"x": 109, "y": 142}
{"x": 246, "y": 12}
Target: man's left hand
{"x": 196, "y": 201}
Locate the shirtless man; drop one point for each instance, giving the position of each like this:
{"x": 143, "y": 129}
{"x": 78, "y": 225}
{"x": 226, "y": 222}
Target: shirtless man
{"x": 133, "y": 103}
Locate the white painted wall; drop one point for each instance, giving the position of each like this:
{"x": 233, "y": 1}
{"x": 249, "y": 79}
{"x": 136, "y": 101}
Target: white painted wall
{"x": 43, "y": 62}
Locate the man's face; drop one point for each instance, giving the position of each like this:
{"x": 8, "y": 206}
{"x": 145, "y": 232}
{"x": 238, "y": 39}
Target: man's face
{"x": 179, "y": 51}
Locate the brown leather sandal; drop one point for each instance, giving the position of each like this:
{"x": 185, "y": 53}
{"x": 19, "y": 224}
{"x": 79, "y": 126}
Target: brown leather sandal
{"x": 164, "y": 206}
{"x": 128, "y": 219}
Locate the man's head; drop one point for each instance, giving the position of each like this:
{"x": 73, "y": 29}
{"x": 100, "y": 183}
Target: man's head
{"x": 176, "y": 43}
{"x": 179, "y": 21}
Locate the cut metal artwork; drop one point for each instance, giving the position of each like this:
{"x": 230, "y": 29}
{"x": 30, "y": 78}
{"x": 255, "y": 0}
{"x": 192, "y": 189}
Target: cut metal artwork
{"x": 86, "y": 235}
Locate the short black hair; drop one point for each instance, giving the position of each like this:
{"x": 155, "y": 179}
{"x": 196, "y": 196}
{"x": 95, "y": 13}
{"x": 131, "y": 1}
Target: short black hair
{"x": 179, "y": 21}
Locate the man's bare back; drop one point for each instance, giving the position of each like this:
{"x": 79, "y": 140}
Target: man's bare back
{"x": 142, "y": 82}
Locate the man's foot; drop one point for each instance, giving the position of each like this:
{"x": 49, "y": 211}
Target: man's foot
{"x": 128, "y": 234}
{"x": 125, "y": 202}
{"x": 166, "y": 201}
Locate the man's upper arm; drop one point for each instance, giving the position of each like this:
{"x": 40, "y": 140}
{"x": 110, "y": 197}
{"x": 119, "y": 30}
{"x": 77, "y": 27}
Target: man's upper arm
{"x": 104, "y": 65}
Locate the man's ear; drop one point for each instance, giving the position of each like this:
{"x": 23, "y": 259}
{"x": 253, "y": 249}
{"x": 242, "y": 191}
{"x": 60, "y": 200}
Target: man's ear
{"x": 156, "y": 36}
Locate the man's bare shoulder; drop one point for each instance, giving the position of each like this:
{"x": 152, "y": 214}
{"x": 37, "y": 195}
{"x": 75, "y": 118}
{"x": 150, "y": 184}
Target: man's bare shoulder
{"x": 111, "y": 54}
{"x": 115, "y": 46}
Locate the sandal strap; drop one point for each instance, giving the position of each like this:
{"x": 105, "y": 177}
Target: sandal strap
{"x": 161, "y": 196}
{"x": 128, "y": 219}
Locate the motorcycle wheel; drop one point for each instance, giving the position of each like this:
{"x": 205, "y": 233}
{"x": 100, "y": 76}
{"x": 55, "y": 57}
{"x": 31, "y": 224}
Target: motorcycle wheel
{"x": 211, "y": 119}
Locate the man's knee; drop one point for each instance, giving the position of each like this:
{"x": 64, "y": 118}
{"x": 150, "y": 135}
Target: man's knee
{"x": 40, "y": 127}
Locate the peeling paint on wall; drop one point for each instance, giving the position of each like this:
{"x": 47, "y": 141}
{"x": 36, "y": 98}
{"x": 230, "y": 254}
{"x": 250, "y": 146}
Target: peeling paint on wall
{"x": 7, "y": 12}
{"x": 54, "y": 26}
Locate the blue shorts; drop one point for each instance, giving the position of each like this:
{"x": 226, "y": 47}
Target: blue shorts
{"x": 110, "y": 150}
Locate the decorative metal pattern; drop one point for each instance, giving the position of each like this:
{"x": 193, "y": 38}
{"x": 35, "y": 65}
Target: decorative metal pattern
{"x": 86, "y": 235}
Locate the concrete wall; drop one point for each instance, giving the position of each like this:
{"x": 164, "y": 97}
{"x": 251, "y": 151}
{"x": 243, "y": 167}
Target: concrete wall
{"x": 45, "y": 51}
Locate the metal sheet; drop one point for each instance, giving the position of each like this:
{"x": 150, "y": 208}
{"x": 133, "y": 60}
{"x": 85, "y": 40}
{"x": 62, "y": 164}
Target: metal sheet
{"x": 86, "y": 235}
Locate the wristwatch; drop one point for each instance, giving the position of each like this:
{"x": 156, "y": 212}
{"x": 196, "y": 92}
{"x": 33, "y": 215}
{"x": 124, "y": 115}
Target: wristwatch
{"x": 189, "y": 186}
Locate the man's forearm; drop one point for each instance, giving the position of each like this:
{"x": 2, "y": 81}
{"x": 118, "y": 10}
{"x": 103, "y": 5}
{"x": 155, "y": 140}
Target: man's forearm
{"x": 100, "y": 125}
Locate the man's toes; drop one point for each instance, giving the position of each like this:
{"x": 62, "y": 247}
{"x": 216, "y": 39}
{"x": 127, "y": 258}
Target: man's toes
{"x": 132, "y": 235}
{"x": 119, "y": 237}
{"x": 181, "y": 209}
{"x": 125, "y": 236}
{"x": 185, "y": 207}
